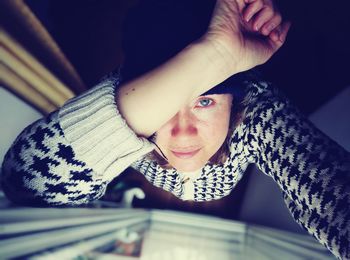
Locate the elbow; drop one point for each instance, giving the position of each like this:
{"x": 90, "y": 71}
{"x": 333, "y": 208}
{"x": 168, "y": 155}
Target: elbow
{"x": 22, "y": 195}
{"x": 21, "y": 191}
{"x": 19, "y": 194}
{"x": 28, "y": 180}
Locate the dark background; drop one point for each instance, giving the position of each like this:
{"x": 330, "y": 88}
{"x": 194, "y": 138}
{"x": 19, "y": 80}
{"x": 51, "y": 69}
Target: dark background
{"x": 311, "y": 68}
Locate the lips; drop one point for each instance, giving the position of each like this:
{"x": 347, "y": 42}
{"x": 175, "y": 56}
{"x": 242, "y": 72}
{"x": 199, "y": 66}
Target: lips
{"x": 185, "y": 154}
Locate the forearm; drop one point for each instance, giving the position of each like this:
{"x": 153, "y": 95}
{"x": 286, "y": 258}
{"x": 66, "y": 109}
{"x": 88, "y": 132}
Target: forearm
{"x": 230, "y": 45}
{"x": 151, "y": 100}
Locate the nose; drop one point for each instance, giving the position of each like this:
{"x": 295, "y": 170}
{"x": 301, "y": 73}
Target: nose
{"x": 183, "y": 124}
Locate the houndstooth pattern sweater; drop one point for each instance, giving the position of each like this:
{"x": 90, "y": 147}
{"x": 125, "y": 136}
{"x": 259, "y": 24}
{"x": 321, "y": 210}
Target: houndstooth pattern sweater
{"x": 69, "y": 157}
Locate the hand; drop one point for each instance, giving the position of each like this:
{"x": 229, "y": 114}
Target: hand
{"x": 263, "y": 17}
{"x": 246, "y": 33}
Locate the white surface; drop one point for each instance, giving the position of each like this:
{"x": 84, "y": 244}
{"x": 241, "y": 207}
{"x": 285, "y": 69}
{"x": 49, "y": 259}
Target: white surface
{"x": 15, "y": 115}
{"x": 334, "y": 118}
{"x": 169, "y": 235}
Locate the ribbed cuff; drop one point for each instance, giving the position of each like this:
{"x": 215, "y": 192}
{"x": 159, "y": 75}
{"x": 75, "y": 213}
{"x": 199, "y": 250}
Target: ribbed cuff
{"x": 98, "y": 134}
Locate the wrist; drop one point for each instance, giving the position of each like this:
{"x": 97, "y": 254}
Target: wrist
{"x": 220, "y": 55}
{"x": 204, "y": 65}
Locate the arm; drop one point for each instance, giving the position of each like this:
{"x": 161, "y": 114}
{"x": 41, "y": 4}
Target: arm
{"x": 311, "y": 169}
{"x": 230, "y": 45}
{"x": 169, "y": 87}
{"x": 70, "y": 156}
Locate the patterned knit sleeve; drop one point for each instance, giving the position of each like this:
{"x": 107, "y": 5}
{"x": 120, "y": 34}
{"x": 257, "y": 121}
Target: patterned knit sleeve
{"x": 69, "y": 157}
{"x": 312, "y": 170}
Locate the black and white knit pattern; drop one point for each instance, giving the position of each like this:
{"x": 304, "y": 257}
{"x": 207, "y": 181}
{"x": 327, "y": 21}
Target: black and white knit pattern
{"x": 41, "y": 168}
{"x": 53, "y": 162}
{"x": 215, "y": 181}
{"x": 311, "y": 169}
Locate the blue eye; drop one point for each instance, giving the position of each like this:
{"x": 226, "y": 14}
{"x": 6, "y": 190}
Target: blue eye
{"x": 205, "y": 102}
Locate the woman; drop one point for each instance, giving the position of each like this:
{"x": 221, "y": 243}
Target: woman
{"x": 70, "y": 156}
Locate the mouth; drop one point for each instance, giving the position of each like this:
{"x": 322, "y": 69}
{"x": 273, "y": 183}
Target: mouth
{"x": 185, "y": 154}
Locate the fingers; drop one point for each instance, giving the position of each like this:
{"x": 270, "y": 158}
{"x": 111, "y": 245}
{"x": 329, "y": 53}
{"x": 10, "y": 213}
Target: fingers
{"x": 253, "y": 7}
{"x": 279, "y": 35}
{"x": 284, "y": 31}
{"x": 262, "y": 16}
{"x": 269, "y": 23}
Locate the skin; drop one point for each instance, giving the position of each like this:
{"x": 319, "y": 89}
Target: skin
{"x": 204, "y": 129}
{"x": 263, "y": 17}
{"x": 201, "y": 124}
{"x": 229, "y": 46}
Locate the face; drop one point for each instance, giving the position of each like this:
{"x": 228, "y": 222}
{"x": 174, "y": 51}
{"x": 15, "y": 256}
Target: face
{"x": 196, "y": 132}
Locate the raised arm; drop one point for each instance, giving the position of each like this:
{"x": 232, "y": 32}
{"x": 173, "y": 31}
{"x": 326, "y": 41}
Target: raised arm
{"x": 230, "y": 45}
{"x": 70, "y": 156}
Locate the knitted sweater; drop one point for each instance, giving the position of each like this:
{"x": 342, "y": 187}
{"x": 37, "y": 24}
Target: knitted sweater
{"x": 69, "y": 157}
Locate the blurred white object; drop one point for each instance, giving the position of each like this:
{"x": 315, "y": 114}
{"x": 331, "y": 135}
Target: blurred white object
{"x": 126, "y": 236}
{"x": 129, "y": 196}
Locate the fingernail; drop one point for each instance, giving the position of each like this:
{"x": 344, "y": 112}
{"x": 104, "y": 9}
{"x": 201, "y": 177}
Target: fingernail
{"x": 248, "y": 18}
{"x": 275, "y": 37}
{"x": 267, "y": 29}
{"x": 270, "y": 27}
{"x": 281, "y": 38}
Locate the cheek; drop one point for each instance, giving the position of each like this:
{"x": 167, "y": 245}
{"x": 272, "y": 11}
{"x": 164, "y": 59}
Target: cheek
{"x": 214, "y": 129}
{"x": 162, "y": 136}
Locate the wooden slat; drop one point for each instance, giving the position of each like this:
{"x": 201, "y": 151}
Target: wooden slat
{"x": 13, "y": 49}
{"x": 23, "y": 89}
{"x": 30, "y": 77}
{"x": 17, "y": 18}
